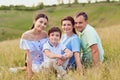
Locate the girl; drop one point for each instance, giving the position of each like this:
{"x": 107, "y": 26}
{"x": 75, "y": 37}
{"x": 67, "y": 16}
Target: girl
{"x": 32, "y": 42}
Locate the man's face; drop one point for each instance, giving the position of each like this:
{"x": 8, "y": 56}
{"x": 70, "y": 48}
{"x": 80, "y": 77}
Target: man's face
{"x": 80, "y": 23}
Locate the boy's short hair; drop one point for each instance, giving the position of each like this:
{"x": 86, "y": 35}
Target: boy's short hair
{"x": 55, "y": 29}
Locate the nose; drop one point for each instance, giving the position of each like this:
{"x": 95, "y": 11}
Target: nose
{"x": 65, "y": 26}
{"x": 77, "y": 24}
{"x": 43, "y": 25}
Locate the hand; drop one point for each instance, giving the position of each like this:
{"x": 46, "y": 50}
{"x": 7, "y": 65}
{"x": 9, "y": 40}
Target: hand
{"x": 65, "y": 57}
{"x": 59, "y": 61}
{"x": 79, "y": 70}
{"x": 30, "y": 76}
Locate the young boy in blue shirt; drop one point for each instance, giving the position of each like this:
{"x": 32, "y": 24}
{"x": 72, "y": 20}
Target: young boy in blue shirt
{"x": 53, "y": 50}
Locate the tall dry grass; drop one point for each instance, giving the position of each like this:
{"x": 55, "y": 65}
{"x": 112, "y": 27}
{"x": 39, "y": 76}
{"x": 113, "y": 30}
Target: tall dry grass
{"x": 11, "y": 56}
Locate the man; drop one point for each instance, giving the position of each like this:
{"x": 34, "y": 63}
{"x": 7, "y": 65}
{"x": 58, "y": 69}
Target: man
{"x": 92, "y": 50}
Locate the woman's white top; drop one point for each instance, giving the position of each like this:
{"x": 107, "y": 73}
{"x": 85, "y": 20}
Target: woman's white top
{"x": 35, "y": 49}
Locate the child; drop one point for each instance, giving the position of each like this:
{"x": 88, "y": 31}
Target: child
{"x": 53, "y": 49}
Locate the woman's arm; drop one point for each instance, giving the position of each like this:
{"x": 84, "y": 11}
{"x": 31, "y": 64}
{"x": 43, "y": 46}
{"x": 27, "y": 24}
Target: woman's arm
{"x": 29, "y": 65}
{"x": 78, "y": 62}
{"x": 68, "y": 53}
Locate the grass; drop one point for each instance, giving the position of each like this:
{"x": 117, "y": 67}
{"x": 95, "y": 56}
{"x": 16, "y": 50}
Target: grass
{"x": 9, "y": 33}
{"x": 12, "y": 56}
{"x": 100, "y": 15}
{"x": 103, "y": 16}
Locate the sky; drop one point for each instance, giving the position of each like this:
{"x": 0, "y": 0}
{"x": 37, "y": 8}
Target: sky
{"x": 31, "y": 2}
{"x": 35, "y": 2}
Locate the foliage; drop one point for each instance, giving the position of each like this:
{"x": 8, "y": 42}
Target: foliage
{"x": 22, "y": 7}
{"x": 40, "y": 6}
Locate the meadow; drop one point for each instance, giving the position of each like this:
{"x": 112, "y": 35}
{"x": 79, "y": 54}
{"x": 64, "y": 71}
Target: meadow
{"x": 13, "y": 23}
{"x": 103, "y": 16}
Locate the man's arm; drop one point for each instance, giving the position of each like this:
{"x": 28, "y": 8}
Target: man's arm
{"x": 95, "y": 54}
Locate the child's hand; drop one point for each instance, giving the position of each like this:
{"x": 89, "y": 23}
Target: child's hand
{"x": 59, "y": 61}
{"x": 64, "y": 58}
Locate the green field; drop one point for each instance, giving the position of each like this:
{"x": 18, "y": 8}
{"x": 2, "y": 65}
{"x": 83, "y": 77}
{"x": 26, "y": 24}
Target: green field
{"x": 13, "y": 23}
{"x": 105, "y": 17}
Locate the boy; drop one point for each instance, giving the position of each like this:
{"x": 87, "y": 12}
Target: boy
{"x": 53, "y": 49}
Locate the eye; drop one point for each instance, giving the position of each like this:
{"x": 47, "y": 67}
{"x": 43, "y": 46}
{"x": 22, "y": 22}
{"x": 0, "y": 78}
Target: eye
{"x": 45, "y": 23}
{"x": 63, "y": 24}
{"x": 52, "y": 34}
{"x": 68, "y": 24}
{"x": 80, "y": 22}
{"x": 57, "y": 35}
{"x": 41, "y": 21}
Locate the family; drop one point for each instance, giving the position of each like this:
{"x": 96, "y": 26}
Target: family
{"x": 52, "y": 49}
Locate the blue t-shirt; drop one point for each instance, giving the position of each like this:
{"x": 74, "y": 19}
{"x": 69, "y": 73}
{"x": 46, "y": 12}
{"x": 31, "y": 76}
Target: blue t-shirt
{"x": 73, "y": 44}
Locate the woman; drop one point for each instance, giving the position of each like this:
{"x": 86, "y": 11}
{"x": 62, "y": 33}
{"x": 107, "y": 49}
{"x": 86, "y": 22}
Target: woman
{"x": 72, "y": 42}
{"x": 32, "y": 42}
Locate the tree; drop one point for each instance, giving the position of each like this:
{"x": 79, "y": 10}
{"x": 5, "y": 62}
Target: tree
{"x": 89, "y": 1}
{"x": 60, "y": 1}
{"x": 40, "y": 5}
{"x": 108, "y": 0}
{"x": 76, "y": 2}
{"x": 69, "y": 3}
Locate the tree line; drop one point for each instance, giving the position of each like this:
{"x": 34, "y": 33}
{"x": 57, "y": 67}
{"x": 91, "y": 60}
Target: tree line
{"x": 41, "y": 5}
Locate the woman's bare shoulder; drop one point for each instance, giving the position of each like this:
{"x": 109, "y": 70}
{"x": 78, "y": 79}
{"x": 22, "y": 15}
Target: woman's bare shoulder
{"x": 26, "y": 35}
{"x": 44, "y": 33}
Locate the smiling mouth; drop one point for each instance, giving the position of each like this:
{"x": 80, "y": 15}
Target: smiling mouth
{"x": 66, "y": 29}
{"x": 79, "y": 26}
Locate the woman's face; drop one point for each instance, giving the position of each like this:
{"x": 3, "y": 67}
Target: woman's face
{"x": 67, "y": 26}
{"x": 40, "y": 24}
